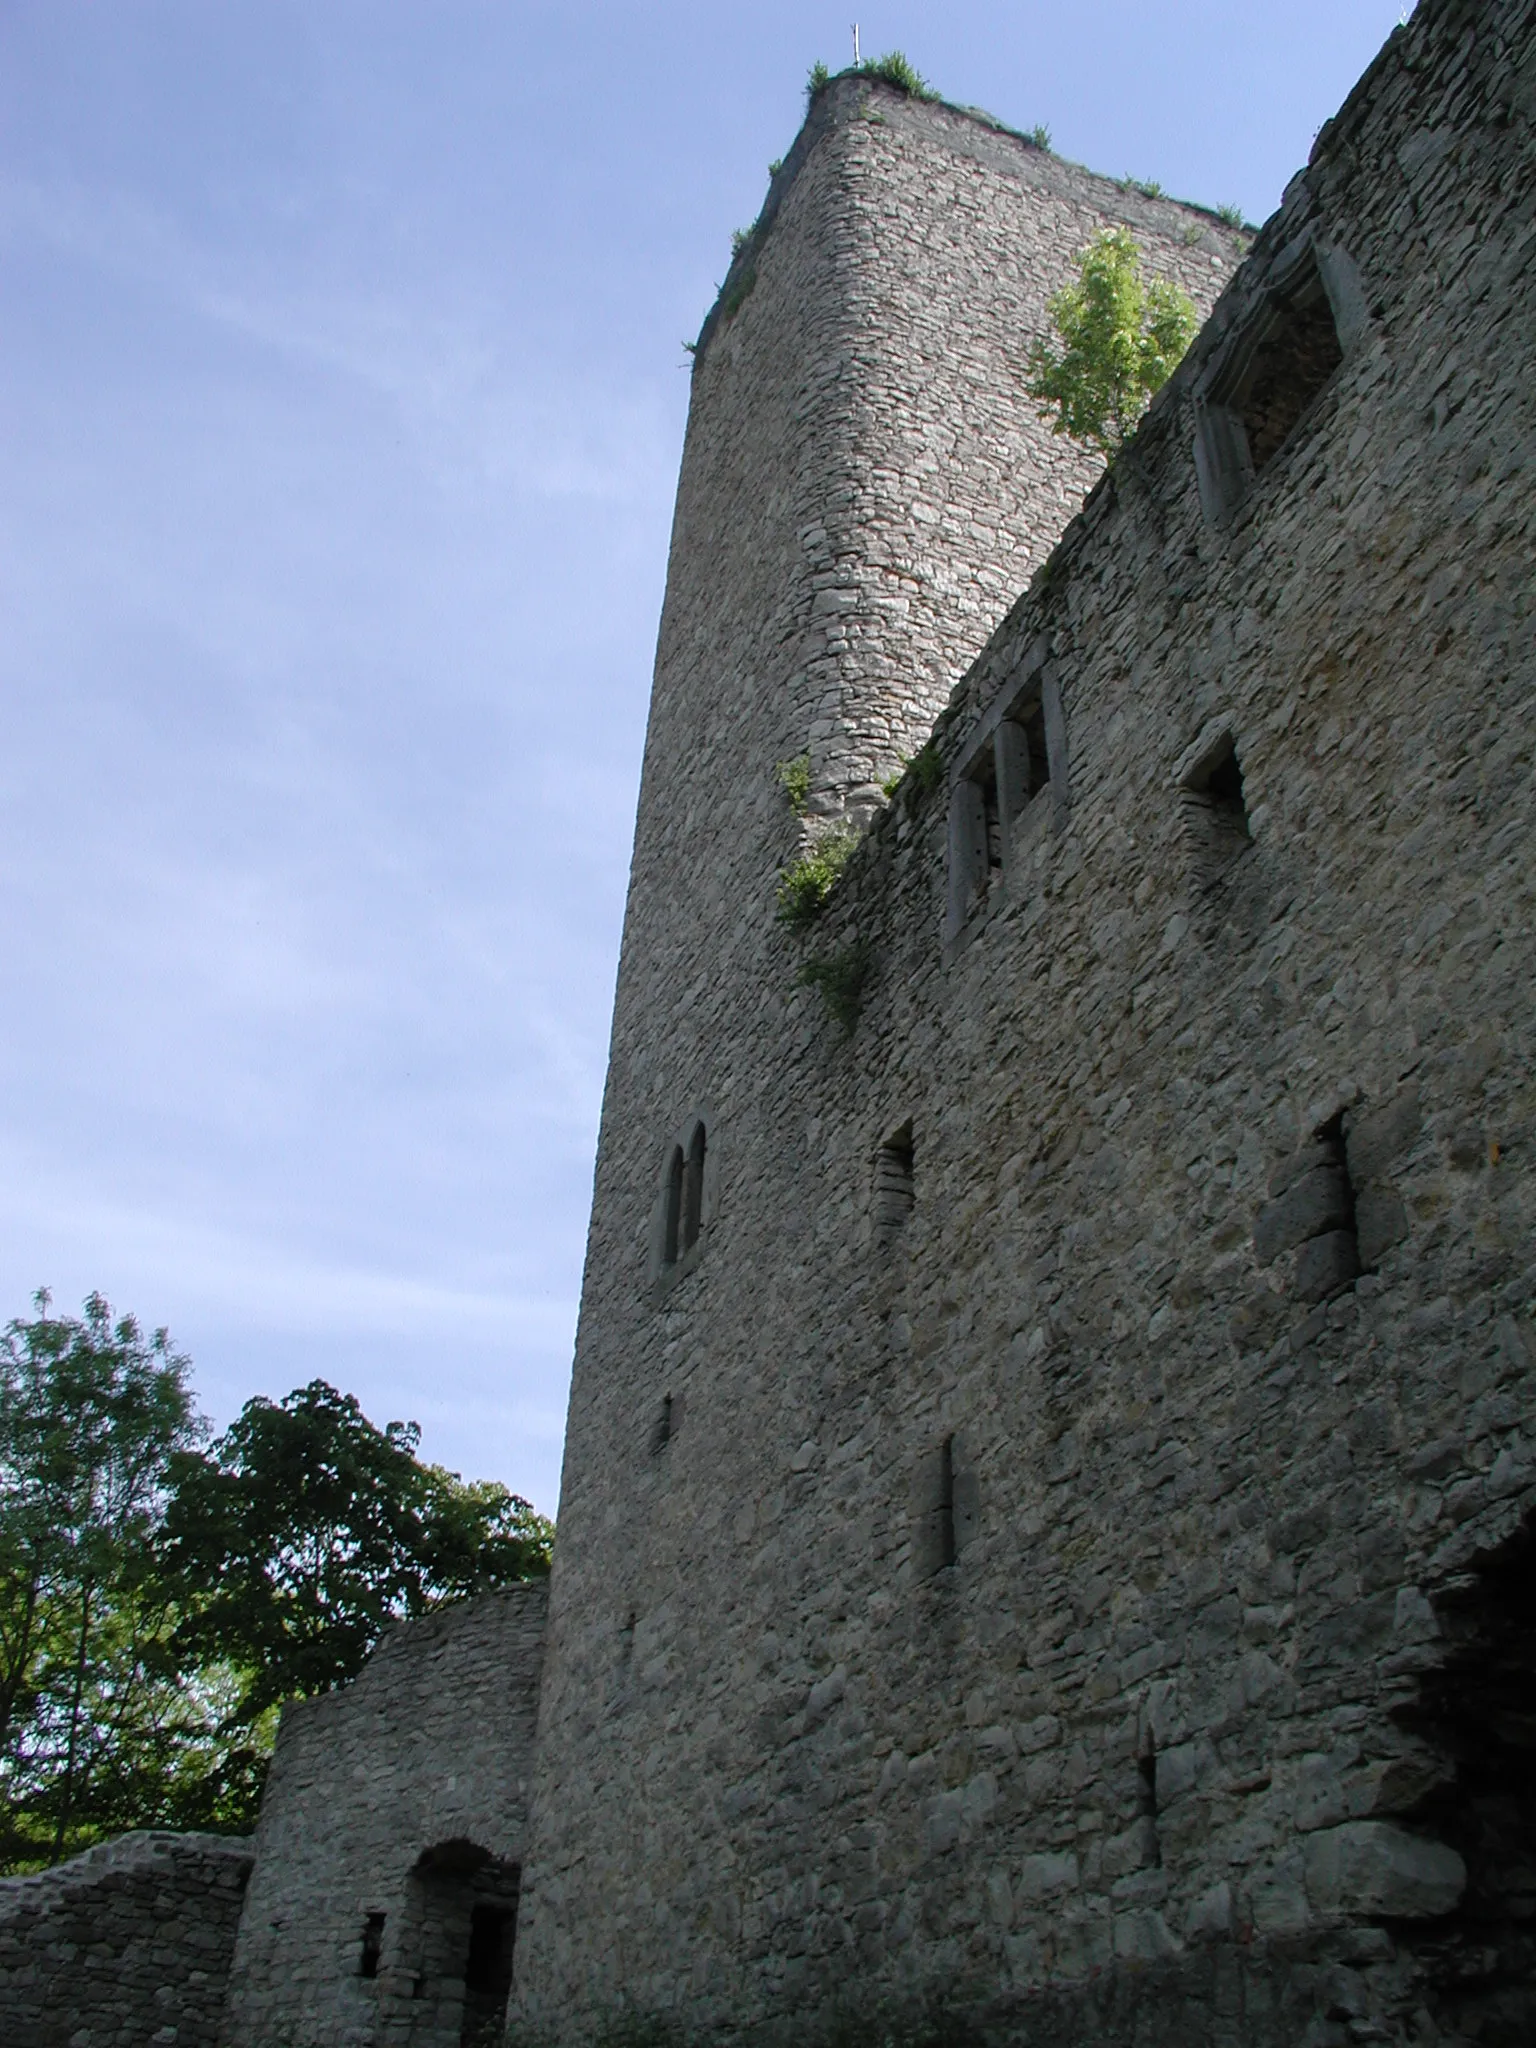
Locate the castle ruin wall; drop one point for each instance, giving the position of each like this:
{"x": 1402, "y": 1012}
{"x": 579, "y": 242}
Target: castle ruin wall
{"x": 1042, "y": 1598}
{"x": 125, "y": 1946}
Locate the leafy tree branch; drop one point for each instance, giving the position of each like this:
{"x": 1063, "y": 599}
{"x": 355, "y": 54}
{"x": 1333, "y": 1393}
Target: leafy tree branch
{"x": 1117, "y": 341}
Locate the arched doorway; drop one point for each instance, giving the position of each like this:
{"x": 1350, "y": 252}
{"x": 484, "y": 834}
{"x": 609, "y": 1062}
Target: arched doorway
{"x": 453, "y": 1969}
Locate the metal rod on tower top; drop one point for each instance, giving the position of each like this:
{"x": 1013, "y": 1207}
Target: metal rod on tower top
{"x": 855, "y": 46}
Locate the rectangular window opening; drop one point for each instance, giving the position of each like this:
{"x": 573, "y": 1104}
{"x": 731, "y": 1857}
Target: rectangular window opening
{"x": 1267, "y": 377}
{"x": 1289, "y": 369}
{"x": 1216, "y": 811}
{"x": 372, "y": 1945}
{"x": 894, "y": 1189}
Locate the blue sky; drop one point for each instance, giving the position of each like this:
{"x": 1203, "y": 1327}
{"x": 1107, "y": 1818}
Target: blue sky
{"x": 341, "y": 398}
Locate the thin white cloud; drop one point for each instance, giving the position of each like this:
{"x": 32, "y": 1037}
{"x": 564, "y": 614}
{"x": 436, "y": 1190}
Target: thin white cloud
{"x": 263, "y": 1284}
{"x": 472, "y": 408}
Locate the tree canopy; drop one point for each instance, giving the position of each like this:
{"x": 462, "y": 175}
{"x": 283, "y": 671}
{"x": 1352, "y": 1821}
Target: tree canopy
{"x": 162, "y": 1594}
{"x": 304, "y": 1531}
{"x": 1120, "y": 339}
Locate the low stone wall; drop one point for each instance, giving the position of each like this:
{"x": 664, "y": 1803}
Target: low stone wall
{"x": 127, "y": 1945}
{"x": 391, "y": 1840}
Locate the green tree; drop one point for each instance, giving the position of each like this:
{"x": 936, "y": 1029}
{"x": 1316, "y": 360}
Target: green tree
{"x": 160, "y": 1596}
{"x": 1120, "y": 340}
{"x": 304, "y": 1531}
{"x": 91, "y": 1414}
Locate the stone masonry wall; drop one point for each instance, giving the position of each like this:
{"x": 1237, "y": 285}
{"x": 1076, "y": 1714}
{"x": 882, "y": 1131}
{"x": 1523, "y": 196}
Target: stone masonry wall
{"x": 402, "y": 1797}
{"x": 1046, "y": 1597}
{"x": 126, "y": 1946}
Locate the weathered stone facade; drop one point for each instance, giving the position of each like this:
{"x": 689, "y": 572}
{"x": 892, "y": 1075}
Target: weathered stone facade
{"x": 384, "y": 1901}
{"x": 123, "y": 1947}
{"x": 1049, "y": 1519}
{"x": 1049, "y": 1542}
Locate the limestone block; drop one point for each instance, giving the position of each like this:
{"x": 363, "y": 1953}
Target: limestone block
{"x": 1317, "y": 1201}
{"x": 1040, "y": 1876}
{"x": 1375, "y": 1138}
{"x": 1143, "y": 1936}
{"x": 1381, "y": 1221}
{"x": 1180, "y": 1769}
{"x": 1371, "y": 1866}
{"x": 1326, "y": 1265}
{"x": 1210, "y": 1916}
{"x": 1277, "y": 1897}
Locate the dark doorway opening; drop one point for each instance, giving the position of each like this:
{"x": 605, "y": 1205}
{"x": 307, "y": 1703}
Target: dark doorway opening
{"x": 488, "y": 1974}
{"x": 1478, "y": 1713}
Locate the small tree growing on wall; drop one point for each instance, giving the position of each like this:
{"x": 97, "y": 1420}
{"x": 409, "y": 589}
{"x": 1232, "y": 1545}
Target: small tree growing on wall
{"x": 1119, "y": 339}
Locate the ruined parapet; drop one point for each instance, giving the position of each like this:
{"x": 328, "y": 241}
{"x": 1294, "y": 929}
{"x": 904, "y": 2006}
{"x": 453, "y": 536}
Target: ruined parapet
{"x": 125, "y": 1946}
{"x": 1013, "y": 1550}
{"x": 383, "y": 1905}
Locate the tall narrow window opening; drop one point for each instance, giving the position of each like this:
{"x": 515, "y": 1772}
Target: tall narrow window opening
{"x": 1311, "y": 1211}
{"x": 1329, "y": 1261}
{"x": 1290, "y": 366}
{"x": 894, "y": 1183}
{"x": 693, "y": 1189}
{"x": 372, "y": 1946}
{"x": 946, "y": 1509}
{"x": 487, "y": 1974}
{"x": 674, "y": 1215}
{"x": 1146, "y": 1801}
{"x": 1265, "y": 378}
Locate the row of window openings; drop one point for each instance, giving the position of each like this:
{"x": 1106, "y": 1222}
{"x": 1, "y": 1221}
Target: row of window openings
{"x": 1006, "y": 777}
{"x": 685, "y": 1193}
{"x": 1328, "y": 1264}
{"x": 1216, "y": 821}
{"x": 1252, "y": 407}
{"x": 894, "y": 1196}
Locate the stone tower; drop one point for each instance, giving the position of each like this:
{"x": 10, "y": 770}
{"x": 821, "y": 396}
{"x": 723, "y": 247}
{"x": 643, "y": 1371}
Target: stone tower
{"x": 864, "y": 487}
{"x": 1049, "y": 1525}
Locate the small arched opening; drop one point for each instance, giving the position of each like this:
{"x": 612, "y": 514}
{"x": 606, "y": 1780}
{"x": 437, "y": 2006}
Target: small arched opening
{"x": 453, "y": 1975}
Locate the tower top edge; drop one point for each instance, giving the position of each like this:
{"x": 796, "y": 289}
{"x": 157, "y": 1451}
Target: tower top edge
{"x": 845, "y": 96}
